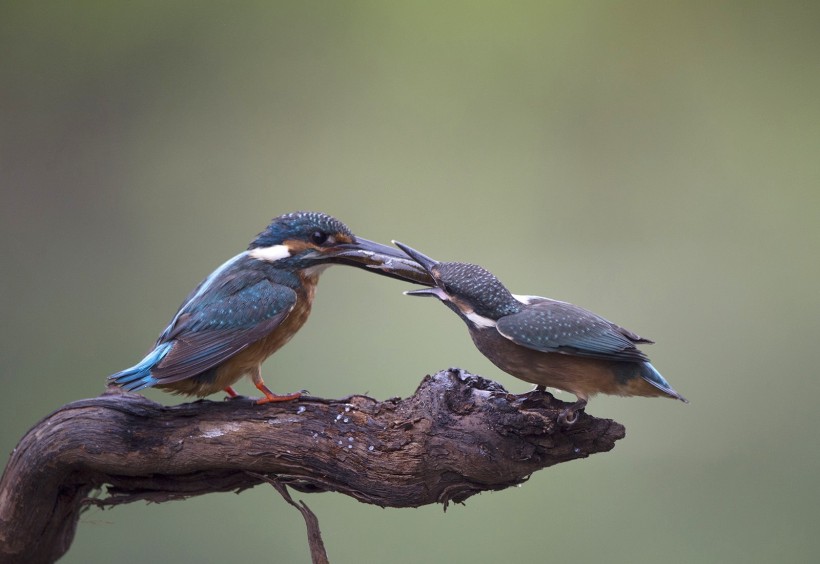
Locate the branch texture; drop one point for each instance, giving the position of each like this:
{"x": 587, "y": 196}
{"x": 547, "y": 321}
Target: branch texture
{"x": 458, "y": 435}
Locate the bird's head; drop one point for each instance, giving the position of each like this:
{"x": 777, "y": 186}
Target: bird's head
{"x": 311, "y": 241}
{"x": 472, "y": 292}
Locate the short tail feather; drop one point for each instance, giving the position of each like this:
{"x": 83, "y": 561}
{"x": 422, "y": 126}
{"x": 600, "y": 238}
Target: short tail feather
{"x": 651, "y": 375}
{"x": 139, "y": 376}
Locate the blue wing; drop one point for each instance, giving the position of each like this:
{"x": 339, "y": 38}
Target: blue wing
{"x": 552, "y": 326}
{"x": 211, "y": 328}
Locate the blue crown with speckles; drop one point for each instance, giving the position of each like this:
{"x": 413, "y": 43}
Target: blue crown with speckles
{"x": 298, "y": 225}
{"x": 488, "y": 296}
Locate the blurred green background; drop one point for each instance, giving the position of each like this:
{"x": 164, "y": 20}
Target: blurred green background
{"x": 654, "y": 162}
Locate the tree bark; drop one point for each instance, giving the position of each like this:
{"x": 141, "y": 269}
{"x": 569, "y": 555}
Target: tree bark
{"x": 458, "y": 435}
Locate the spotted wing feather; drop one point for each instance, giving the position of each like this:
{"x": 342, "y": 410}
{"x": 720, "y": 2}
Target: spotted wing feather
{"x": 560, "y": 327}
{"x": 221, "y": 326}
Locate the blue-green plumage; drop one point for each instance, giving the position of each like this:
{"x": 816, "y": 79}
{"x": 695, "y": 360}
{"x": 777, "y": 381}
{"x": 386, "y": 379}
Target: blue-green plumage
{"x": 139, "y": 376}
{"x": 554, "y": 326}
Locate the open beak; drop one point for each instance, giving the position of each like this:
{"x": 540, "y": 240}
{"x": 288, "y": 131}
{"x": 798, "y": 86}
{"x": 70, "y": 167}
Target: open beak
{"x": 427, "y": 264}
{"x": 382, "y": 259}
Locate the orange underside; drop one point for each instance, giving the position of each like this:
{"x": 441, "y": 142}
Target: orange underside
{"x": 249, "y": 361}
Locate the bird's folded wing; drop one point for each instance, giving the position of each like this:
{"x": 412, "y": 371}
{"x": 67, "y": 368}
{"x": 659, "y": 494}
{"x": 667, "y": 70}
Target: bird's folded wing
{"x": 214, "y": 332}
{"x": 553, "y": 326}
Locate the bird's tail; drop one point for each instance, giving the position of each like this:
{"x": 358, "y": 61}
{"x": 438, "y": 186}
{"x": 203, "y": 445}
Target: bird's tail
{"x": 139, "y": 376}
{"x": 654, "y": 377}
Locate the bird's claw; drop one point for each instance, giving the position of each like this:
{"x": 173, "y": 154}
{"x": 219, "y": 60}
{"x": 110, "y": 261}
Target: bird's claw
{"x": 569, "y": 416}
{"x": 278, "y": 399}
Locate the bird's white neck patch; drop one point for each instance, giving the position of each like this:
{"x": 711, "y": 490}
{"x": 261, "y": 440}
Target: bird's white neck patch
{"x": 270, "y": 254}
{"x": 479, "y": 320}
{"x": 316, "y": 270}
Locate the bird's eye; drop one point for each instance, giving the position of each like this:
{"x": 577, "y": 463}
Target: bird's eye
{"x": 318, "y": 237}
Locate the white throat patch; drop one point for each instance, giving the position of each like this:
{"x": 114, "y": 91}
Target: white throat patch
{"x": 479, "y": 320}
{"x": 270, "y": 254}
{"x": 315, "y": 270}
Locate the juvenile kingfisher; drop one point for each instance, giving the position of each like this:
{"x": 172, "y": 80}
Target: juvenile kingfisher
{"x": 253, "y": 304}
{"x": 546, "y": 342}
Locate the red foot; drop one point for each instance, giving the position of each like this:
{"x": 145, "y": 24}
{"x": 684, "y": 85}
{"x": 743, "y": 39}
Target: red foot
{"x": 274, "y": 398}
{"x": 270, "y": 397}
{"x": 231, "y": 392}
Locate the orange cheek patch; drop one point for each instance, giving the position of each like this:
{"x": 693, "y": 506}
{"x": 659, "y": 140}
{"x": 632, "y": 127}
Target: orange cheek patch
{"x": 296, "y": 246}
{"x": 462, "y": 305}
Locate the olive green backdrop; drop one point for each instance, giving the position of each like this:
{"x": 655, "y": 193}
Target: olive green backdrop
{"x": 654, "y": 162}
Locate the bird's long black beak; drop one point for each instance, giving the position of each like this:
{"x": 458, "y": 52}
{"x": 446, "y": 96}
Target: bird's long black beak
{"x": 423, "y": 260}
{"x": 382, "y": 259}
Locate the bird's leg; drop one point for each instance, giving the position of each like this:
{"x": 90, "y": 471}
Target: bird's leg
{"x": 270, "y": 397}
{"x": 569, "y": 416}
{"x": 231, "y": 392}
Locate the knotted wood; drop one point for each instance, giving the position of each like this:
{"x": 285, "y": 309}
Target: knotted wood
{"x": 458, "y": 435}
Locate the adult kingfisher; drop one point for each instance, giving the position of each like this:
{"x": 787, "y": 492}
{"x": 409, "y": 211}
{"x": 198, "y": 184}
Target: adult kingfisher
{"x": 253, "y": 304}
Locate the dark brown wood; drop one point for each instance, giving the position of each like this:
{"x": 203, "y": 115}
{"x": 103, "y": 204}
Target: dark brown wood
{"x": 458, "y": 435}
{"x": 318, "y": 554}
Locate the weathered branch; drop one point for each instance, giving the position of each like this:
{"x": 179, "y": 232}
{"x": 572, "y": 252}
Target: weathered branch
{"x": 457, "y": 436}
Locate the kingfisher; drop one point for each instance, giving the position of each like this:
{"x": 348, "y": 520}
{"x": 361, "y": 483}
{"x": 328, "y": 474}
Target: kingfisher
{"x": 546, "y": 342}
{"x": 253, "y": 304}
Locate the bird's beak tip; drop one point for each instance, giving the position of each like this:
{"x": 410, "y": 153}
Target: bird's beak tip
{"x": 426, "y": 262}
